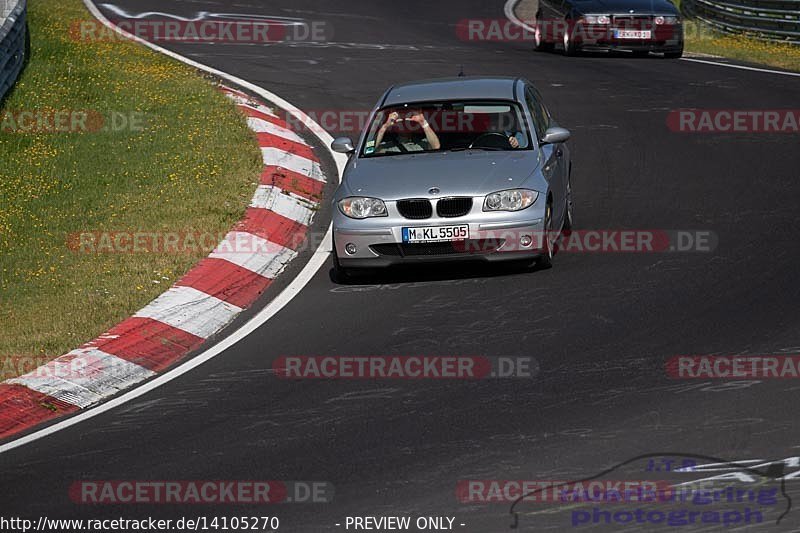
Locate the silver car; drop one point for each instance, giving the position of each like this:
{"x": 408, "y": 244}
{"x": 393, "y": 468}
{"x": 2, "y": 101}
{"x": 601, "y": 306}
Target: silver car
{"x": 453, "y": 169}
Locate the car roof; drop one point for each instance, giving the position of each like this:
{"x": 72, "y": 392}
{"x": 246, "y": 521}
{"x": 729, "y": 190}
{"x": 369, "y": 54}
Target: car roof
{"x": 459, "y": 88}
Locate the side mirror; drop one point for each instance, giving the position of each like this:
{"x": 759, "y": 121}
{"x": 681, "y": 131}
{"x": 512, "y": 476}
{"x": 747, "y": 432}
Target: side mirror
{"x": 555, "y": 135}
{"x": 343, "y": 145}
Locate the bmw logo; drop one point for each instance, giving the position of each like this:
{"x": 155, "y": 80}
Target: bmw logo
{"x": 434, "y": 190}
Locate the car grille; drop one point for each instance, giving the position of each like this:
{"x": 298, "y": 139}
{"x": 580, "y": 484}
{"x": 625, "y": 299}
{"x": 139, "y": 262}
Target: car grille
{"x": 453, "y": 207}
{"x": 416, "y": 209}
{"x": 468, "y": 247}
{"x": 633, "y": 22}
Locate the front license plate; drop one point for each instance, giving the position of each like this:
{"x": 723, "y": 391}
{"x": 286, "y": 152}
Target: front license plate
{"x": 436, "y": 233}
{"x": 632, "y": 34}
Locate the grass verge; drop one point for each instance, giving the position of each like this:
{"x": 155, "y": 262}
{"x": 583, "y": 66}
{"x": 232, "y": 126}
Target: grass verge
{"x": 703, "y": 39}
{"x": 174, "y": 155}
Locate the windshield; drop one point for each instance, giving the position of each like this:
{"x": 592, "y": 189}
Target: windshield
{"x": 446, "y": 126}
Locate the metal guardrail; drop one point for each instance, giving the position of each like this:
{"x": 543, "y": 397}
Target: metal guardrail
{"x": 773, "y": 20}
{"x": 13, "y": 42}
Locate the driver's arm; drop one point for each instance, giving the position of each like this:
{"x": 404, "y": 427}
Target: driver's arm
{"x": 514, "y": 138}
{"x": 430, "y": 135}
{"x": 382, "y": 130}
{"x": 433, "y": 139}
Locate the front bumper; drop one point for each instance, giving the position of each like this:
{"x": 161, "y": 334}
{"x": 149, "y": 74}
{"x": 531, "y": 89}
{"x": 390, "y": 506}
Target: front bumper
{"x": 600, "y": 38}
{"x": 638, "y": 46}
{"x": 492, "y": 237}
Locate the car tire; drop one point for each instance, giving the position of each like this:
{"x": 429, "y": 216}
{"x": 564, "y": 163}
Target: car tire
{"x": 568, "y": 217}
{"x": 545, "y": 260}
{"x": 566, "y": 227}
{"x": 570, "y": 49}
{"x": 674, "y": 55}
{"x": 539, "y": 44}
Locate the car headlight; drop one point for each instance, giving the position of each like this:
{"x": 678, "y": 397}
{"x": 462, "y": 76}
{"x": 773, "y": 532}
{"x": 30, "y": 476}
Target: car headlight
{"x": 666, "y": 20}
{"x": 509, "y": 200}
{"x": 597, "y": 19}
{"x": 362, "y": 207}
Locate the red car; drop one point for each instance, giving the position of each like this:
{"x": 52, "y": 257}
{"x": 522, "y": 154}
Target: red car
{"x": 636, "y": 26}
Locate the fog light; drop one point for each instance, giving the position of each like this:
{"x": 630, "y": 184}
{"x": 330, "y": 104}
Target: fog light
{"x": 350, "y": 248}
{"x": 525, "y": 240}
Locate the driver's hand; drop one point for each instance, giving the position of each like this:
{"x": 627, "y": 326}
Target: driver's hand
{"x": 513, "y": 142}
{"x": 418, "y": 118}
{"x": 392, "y": 118}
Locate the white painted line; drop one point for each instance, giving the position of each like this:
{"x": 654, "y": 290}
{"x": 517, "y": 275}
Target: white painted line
{"x": 267, "y": 258}
{"x": 84, "y": 377}
{"x": 319, "y": 258}
{"x": 510, "y": 15}
{"x": 296, "y": 163}
{"x": 259, "y": 125}
{"x": 741, "y": 67}
{"x": 508, "y": 9}
{"x": 191, "y": 310}
{"x": 324, "y": 136}
{"x": 291, "y": 207}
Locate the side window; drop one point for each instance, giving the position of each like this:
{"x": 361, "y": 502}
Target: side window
{"x": 539, "y": 113}
{"x": 545, "y": 112}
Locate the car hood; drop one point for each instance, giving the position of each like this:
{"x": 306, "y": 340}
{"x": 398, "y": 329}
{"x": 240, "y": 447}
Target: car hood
{"x": 454, "y": 174}
{"x": 625, "y": 6}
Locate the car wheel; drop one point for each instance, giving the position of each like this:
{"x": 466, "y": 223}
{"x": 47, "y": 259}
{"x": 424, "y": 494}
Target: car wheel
{"x": 673, "y": 55}
{"x": 568, "y": 220}
{"x": 569, "y": 45}
{"x": 545, "y": 260}
{"x": 540, "y": 45}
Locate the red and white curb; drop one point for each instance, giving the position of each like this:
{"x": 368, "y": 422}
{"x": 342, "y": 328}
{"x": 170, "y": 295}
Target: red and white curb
{"x": 198, "y": 305}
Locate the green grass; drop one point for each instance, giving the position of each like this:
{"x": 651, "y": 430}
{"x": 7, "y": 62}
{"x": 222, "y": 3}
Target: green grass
{"x": 703, "y": 39}
{"x": 192, "y": 166}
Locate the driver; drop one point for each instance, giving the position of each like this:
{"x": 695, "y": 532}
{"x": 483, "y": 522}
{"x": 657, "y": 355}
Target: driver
{"x": 515, "y": 138}
{"x": 406, "y": 141}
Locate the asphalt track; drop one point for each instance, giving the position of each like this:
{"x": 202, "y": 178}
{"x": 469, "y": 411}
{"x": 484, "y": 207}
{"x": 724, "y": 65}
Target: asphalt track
{"x": 600, "y": 326}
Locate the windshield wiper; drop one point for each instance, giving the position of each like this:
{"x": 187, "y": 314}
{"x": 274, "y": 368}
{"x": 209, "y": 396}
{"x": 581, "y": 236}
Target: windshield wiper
{"x": 485, "y": 148}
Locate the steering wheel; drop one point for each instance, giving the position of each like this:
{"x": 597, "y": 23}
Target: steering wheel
{"x": 492, "y": 135}
{"x": 394, "y": 139}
